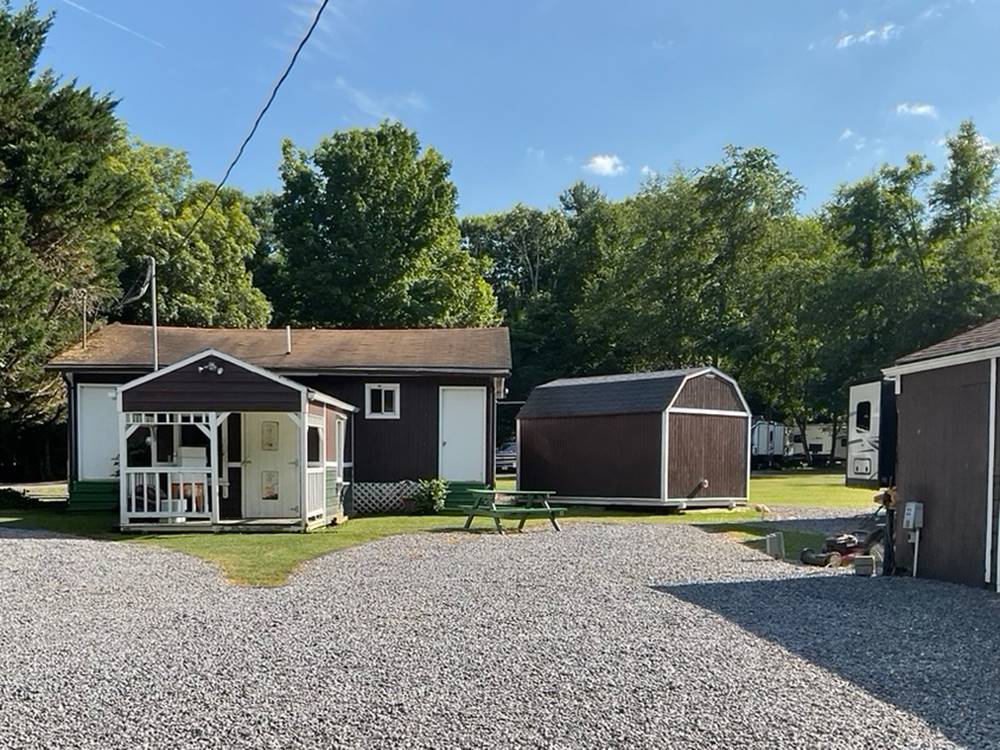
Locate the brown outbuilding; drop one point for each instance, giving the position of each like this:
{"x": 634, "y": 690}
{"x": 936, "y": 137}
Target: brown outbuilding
{"x": 675, "y": 438}
{"x": 948, "y": 457}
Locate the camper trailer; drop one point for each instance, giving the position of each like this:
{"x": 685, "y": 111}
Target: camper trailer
{"x": 767, "y": 444}
{"x": 819, "y": 438}
{"x": 871, "y": 434}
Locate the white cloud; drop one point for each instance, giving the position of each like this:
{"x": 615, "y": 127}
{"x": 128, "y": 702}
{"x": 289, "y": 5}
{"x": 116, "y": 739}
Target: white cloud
{"x": 536, "y": 154}
{"x": 880, "y": 35}
{"x": 606, "y": 165}
{"x": 858, "y": 142}
{"x": 938, "y": 10}
{"x": 329, "y": 36}
{"x": 382, "y": 107}
{"x": 916, "y": 109}
{"x": 648, "y": 171}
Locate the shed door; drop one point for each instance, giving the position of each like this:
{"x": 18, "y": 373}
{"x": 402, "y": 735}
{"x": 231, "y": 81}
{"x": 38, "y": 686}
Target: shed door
{"x": 97, "y": 431}
{"x": 462, "y": 450}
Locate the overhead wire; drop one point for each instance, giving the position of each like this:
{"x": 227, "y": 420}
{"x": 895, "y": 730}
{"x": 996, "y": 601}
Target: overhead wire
{"x": 246, "y": 141}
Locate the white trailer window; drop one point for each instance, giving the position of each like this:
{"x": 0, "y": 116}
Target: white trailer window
{"x": 864, "y": 419}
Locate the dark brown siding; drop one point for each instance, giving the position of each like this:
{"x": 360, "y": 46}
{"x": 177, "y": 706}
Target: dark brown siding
{"x": 232, "y": 506}
{"x": 941, "y": 462}
{"x": 236, "y": 389}
{"x": 709, "y": 392}
{"x": 609, "y": 456}
{"x": 391, "y": 450}
{"x": 704, "y": 446}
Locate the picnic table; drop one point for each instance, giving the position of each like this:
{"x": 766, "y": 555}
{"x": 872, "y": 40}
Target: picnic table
{"x": 513, "y": 504}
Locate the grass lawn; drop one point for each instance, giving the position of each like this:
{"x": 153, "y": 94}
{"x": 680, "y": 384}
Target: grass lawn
{"x": 807, "y": 487}
{"x": 267, "y": 559}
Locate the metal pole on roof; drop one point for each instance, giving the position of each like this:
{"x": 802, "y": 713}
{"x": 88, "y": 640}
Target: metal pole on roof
{"x": 84, "y": 306}
{"x": 152, "y": 285}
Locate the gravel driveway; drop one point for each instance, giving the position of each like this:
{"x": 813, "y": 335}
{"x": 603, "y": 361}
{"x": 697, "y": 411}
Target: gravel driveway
{"x": 619, "y": 635}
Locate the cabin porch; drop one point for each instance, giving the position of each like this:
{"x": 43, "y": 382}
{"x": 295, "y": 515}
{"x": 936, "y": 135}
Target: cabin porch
{"x": 213, "y": 444}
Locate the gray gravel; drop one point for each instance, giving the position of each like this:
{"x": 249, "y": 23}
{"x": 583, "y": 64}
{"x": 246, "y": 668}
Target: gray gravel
{"x": 618, "y": 635}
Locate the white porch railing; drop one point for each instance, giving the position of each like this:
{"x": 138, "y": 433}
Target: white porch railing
{"x": 315, "y": 492}
{"x": 168, "y": 492}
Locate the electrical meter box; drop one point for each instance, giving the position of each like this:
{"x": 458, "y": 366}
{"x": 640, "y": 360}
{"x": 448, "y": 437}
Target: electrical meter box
{"x": 913, "y": 515}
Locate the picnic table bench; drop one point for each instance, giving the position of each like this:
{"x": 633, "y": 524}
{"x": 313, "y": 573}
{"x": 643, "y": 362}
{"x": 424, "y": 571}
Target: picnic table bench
{"x": 513, "y": 504}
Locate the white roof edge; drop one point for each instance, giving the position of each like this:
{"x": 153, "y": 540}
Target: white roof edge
{"x": 945, "y": 360}
{"x": 718, "y": 373}
{"x": 323, "y": 398}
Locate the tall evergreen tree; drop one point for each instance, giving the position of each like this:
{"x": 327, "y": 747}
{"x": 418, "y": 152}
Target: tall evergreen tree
{"x": 963, "y": 193}
{"x": 61, "y": 190}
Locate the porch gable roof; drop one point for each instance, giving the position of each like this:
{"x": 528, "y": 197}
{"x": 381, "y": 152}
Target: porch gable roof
{"x": 237, "y": 386}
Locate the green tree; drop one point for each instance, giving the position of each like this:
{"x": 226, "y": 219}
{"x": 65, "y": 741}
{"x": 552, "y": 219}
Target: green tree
{"x": 267, "y": 264}
{"x": 521, "y": 245}
{"x": 201, "y": 281}
{"x": 963, "y": 193}
{"x": 671, "y": 295}
{"x": 368, "y": 224}
{"x": 785, "y": 330}
{"x": 62, "y": 187}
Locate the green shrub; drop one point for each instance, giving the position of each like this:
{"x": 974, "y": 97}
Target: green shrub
{"x": 430, "y": 495}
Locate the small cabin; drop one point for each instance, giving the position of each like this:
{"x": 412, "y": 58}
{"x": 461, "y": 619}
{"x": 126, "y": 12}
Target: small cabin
{"x": 676, "y": 438}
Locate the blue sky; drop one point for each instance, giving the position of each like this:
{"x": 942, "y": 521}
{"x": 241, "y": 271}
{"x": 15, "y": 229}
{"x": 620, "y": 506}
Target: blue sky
{"x": 526, "y": 97}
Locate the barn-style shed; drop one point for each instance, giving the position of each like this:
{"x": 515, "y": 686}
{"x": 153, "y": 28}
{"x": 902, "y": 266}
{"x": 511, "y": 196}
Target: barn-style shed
{"x": 675, "y": 438}
{"x": 948, "y": 456}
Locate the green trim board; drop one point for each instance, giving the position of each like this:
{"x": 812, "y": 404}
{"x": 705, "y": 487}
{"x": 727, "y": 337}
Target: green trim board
{"x": 93, "y": 494}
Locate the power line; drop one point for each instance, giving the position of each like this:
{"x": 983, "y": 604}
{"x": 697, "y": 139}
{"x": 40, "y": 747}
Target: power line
{"x": 257, "y": 121}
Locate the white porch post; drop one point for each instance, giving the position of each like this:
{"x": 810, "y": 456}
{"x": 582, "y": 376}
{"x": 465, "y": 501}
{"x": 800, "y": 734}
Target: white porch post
{"x": 303, "y": 462}
{"x": 213, "y": 447}
{"x": 122, "y": 467}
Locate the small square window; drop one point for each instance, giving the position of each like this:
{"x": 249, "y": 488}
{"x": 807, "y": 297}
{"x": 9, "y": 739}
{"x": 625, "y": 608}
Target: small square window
{"x": 382, "y": 400}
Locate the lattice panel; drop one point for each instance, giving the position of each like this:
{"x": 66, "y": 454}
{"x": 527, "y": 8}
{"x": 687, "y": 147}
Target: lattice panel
{"x": 381, "y": 497}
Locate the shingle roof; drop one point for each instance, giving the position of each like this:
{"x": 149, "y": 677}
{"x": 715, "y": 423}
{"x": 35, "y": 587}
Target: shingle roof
{"x": 430, "y": 349}
{"x": 634, "y": 393}
{"x": 980, "y": 337}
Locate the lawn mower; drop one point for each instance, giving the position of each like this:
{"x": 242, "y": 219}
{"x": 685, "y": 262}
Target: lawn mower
{"x": 841, "y": 549}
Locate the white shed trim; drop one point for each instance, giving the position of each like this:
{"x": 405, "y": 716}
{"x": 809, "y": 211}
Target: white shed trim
{"x": 717, "y": 373}
{"x": 991, "y": 448}
{"x": 937, "y": 363}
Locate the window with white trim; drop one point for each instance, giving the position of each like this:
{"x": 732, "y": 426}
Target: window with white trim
{"x": 381, "y": 400}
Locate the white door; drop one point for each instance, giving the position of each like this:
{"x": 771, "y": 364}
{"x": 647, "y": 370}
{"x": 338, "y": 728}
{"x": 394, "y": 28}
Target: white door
{"x": 271, "y": 466}
{"x": 463, "y": 434}
{"x": 97, "y": 430}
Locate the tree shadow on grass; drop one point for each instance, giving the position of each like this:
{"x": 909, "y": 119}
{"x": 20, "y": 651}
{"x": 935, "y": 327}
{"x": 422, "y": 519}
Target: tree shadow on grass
{"x": 929, "y": 648}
